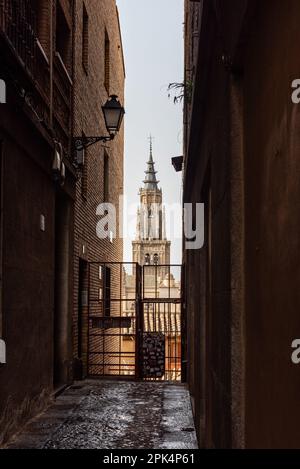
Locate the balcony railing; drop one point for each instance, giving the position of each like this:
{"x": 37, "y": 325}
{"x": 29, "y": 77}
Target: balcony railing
{"x": 18, "y": 24}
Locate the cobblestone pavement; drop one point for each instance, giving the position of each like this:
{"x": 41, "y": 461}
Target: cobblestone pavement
{"x": 114, "y": 415}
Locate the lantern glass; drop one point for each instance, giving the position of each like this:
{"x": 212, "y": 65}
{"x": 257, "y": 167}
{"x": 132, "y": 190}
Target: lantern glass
{"x": 113, "y": 114}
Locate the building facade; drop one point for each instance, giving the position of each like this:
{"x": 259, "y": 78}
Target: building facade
{"x": 241, "y": 160}
{"x": 60, "y": 61}
{"x": 37, "y": 206}
{"x": 98, "y": 73}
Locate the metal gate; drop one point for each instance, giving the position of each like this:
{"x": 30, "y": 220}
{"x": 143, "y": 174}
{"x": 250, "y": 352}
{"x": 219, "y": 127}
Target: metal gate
{"x": 161, "y": 322}
{"x": 134, "y": 321}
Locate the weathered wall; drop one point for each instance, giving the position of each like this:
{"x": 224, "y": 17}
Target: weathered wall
{"x": 36, "y": 291}
{"x": 90, "y": 94}
{"x": 272, "y": 193}
{"x": 28, "y": 281}
{"x": 208, "y": 279}
{"x": 242, "y": 160}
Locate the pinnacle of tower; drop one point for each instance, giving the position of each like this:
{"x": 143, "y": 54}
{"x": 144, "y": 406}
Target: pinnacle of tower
{"x": 150, "y": 181}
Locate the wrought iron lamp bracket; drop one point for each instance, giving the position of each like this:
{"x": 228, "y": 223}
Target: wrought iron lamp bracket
{"x": 80, "y": 143}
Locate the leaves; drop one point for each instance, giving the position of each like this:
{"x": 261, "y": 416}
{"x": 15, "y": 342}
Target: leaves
{"x": 182, "y": 91}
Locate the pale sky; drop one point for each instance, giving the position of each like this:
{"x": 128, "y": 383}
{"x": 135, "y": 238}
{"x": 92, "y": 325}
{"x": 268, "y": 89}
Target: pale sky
{"x": 152, "y": 34}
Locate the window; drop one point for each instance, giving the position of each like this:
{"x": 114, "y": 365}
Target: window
{"x": 84, "y": 178}
{"x": 107, "y": 62}
{"x": 63, "y": 37}
{"x": 155, "y": 259}
{"x": 85, "y": 40}
{"x": 82, "y": 302}
{"x": 107, "y": 291}
{"x": 106, "y": 177}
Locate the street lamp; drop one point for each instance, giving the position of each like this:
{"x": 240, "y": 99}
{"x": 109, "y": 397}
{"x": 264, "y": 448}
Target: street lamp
{"x": 113, "y": 113}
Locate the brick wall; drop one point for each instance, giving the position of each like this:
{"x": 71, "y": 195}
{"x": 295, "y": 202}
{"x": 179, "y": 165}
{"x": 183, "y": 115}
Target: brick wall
{"x": 35, "y": 276}
{"x": 90, "y": 94}
{"x": 242, "y": 158}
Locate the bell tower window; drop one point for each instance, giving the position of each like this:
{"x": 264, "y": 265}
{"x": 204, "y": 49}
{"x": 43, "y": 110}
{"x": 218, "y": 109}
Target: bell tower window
{"x": 155, "y": 259}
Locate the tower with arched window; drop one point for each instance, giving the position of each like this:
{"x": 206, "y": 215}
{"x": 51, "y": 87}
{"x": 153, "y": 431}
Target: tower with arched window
{"x": 151, "y": 247}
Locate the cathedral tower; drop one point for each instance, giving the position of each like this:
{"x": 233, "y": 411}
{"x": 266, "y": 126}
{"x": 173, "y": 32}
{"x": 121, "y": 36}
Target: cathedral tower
{"x": 151, "y": 246}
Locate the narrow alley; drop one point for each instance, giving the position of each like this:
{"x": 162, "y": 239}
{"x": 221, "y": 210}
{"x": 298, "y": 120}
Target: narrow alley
{"x": 149, "y": 228}
{"x": 97, "y": 414}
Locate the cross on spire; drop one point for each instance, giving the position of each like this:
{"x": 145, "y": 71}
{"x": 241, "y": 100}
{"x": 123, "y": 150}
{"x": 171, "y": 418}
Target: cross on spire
{"x": 150, "y": 180}
{"x": 151, "y": 146}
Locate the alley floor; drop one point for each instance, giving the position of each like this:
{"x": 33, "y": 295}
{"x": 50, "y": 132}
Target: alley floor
{"x": 113, "y": 415}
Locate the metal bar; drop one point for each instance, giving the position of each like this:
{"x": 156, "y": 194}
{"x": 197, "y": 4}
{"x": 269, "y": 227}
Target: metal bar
{"x": 88, "y": 325}
{"x": 111, "y": 263}
{"x": 120, "y": 294}
{"x": 103, "y": 309}
{"x": 114, "y": 300}
{"x": 112, "y": 353}
{"x": 170, "y": 342}
{"x": 80, "y": 143}
{"x": 139, "y": 322}
{"x": 111, "y": 335}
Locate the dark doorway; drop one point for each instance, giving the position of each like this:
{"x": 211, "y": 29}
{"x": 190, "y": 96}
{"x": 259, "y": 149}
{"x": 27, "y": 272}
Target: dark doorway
{"x": 82, "y": 304}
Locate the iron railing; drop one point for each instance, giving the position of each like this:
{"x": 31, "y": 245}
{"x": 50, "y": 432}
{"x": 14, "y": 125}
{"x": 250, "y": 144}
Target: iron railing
{"x": 18, "y": 31}
{"x": 18, "y": 24}
{"x": 134, "y": 321}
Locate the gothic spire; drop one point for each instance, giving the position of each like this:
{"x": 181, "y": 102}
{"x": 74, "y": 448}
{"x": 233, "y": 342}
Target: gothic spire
{"x": 150, "y": 181}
